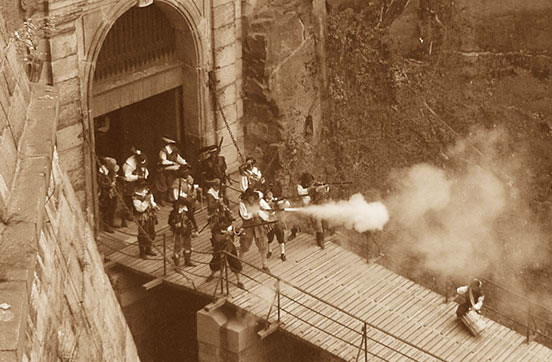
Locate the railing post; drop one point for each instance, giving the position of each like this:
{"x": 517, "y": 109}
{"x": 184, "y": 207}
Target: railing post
{"x": 222, "y": 262}
{"x": 365, "y": 336}
{"x": 446, "y": 290}
{"x": 226, "y": 274}
{"x": 278, "y": 291}
{"x": 528, "y": 323}
{"x": 164, "y": 254}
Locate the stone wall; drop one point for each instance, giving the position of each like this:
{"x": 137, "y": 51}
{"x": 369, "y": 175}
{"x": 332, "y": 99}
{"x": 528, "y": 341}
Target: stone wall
{"x": 227, "y": 66}
{"x": 283, "y": 64}
{"x": 56, "y": 302}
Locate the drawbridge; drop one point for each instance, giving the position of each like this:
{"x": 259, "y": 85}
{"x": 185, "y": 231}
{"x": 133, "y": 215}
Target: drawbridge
{"x": 330, "y": 298}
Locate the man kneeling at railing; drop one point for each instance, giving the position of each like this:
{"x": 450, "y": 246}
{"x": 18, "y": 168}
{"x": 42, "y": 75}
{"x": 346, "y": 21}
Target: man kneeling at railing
{"x": 222, "y": 240}
{"x": 469, "y": 309}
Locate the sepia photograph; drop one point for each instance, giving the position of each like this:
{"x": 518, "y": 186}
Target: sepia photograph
{"x": 275, "y": 180}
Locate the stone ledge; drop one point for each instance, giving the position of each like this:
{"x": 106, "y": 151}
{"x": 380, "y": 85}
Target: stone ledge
{"x": 19, "y": 236}
{"x": 34, "y": 153}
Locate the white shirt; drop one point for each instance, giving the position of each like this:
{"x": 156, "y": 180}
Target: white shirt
{"x": 164, "y": 160}
{"x": 464, "y": 290}
{"x": 142, "y": 206}
{"x": 129, "y": 167}
{"x": 247, "y": 211}
{"x": 301, "y": 191}
{"x": 214, "y": 193}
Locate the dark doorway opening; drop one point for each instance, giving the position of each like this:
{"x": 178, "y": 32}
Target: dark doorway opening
{"x": 141, "y": 125}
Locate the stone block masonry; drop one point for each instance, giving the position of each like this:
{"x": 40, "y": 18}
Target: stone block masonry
{"x": 57, "y": 302}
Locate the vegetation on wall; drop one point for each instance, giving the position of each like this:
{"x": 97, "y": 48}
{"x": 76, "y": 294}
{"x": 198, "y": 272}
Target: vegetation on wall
{"x": 406, "y": 81}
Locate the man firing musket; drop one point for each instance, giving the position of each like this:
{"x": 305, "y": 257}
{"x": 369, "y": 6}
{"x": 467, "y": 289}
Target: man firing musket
{"x": 254, "y": 216}
{"x": 313, "y": 193}
{"x": 278, "y": 229}
{"x": 213, "y": 166}
{"x": 337, "y": 183}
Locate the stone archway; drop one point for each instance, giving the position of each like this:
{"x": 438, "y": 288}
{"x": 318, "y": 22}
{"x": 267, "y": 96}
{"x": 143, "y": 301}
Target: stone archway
{"x": 180, "y": 76}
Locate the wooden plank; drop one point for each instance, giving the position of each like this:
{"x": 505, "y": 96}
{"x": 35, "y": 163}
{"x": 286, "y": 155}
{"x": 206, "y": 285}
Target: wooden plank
{"x": 516, "y": 354}
{"x": 498, "y": 347}
{"x": 152, "y": 283}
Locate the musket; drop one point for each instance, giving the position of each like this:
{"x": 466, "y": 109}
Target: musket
{"x": 316, "y": 184}
{"x": 334, "y": 183}
{"x": 260, "y": 224}
{"x": 203, "y": 228}
{"x": 293, "y": 197}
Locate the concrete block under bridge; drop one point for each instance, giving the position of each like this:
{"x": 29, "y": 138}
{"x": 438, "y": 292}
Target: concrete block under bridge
{"x": 226, "y": 334}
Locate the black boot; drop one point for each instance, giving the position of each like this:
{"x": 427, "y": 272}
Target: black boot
{"x": 149, "y": 251}
{"x": 188, "y": 259}
{"x": 176, "y": 259}
{"x": 124, "y": 223}
{"x": 143, "y": 253}
{"x": 320, "y": 239}
{"x": 293, "y": 233}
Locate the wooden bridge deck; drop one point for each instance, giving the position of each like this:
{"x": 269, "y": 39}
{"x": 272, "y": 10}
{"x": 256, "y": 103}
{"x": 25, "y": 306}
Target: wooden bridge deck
{"x": 401, "y": 314}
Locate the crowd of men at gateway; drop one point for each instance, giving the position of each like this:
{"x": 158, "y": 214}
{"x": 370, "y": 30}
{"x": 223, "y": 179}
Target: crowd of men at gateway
{"x": 176, "y": 184}
{"x": 260, "y": 206}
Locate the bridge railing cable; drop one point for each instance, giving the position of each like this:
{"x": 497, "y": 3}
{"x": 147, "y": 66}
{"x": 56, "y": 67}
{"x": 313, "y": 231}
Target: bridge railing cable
{"x": 532, "y": 317}
{"x": 324, "y": 316}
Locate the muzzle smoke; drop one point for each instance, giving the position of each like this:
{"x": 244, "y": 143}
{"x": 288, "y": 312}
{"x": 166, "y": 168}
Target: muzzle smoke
{"x": 354, "y": 214}
{"x": 470, "y": 218}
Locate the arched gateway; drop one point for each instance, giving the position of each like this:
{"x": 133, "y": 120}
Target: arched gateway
{"x": 131, "y": 71}
{"x": 145, "y": 81}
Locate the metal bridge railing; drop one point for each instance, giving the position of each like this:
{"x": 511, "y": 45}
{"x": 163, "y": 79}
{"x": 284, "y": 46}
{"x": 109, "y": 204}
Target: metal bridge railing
{"x": 320, "y": 314}
{"x": 506, "y": 303}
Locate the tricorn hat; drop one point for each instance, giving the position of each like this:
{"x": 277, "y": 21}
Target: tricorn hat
{"x": 249, "y": 192}
{"x": 209, "y": 149}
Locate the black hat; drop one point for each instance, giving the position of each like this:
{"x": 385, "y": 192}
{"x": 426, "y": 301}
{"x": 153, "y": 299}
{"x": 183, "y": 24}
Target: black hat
{"x": 141, "y": 183}
{"x": 306, "y": 179}
{"x": 249, "y": 192}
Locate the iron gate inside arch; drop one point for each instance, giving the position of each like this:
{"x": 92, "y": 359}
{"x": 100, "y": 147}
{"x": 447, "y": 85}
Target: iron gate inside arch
{"x": 141, "y": 38}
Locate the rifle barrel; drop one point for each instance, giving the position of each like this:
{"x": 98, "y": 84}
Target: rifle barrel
{"x": 260, "y": 224}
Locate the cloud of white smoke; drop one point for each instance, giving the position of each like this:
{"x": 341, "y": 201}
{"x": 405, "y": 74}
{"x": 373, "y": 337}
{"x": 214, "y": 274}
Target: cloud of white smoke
{"x": 355, "y": 213}
{"x": 470, "y": 218}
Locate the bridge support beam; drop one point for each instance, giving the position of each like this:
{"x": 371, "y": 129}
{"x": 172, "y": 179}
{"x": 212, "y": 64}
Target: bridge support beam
{"x": 225, "y": 336}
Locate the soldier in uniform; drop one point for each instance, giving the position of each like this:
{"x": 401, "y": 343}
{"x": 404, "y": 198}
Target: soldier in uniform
{"x": 107, "y": 178}
{"x": 278, "y": 229}
{"x": 214, "y": 167}
{"x": 311, "y": 192}
{"x": 473, "y": 298}
{"x": 251, "y": 176}
{"x": 222, "y": 240}
{"x": 181, "y": 227}
{"x": 183, "y": 187}
{"x": 134, "y": 169}
{"x": 145, "y": 214}
{"x": 253, "y": 213}
{"x": 170, "y": 161}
